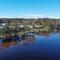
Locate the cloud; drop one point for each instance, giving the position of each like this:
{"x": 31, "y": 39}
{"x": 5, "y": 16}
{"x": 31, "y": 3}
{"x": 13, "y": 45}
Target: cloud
{"x": 31, "y": 16}
{"x": 37, "y": 16}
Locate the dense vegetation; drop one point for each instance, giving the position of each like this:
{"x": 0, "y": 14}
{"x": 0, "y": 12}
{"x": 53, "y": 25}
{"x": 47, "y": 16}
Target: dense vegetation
{"x": 14, "y": 25}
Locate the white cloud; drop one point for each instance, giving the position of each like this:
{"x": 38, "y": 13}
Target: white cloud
{"x": 30, "y": 16}
{"x": 37, "y": 16}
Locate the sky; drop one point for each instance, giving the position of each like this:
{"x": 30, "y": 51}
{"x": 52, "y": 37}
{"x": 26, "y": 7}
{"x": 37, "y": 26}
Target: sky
{"x": 30, "y": 8}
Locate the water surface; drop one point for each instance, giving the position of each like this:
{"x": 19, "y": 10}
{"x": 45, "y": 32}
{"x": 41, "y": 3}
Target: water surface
{"x": 42, "y": 46}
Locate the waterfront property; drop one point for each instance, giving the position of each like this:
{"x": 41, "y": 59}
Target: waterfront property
{"x": 18, "y": 25}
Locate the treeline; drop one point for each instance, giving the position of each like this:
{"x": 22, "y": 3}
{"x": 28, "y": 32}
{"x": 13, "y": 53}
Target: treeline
{"x": 24, "y": 19}
{"x": 29, "y": 21}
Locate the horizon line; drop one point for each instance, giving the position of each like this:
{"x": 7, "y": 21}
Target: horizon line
{"x": 29, "y": 16}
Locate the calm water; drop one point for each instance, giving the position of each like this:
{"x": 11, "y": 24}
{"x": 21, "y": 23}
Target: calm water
{"x": 43, "y": 46}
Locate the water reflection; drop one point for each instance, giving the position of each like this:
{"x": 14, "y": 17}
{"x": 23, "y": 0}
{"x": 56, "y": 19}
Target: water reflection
{"x": 48, "y": 33}
{"x": 32, "y": 46}
{"x": 26, "y": 39}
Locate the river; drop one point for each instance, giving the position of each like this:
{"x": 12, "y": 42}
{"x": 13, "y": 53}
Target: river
{"x": 43, "y": 46}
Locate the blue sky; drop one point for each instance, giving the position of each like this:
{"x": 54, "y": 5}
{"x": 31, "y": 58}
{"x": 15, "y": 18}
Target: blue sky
{"x": 30, "y": 8}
